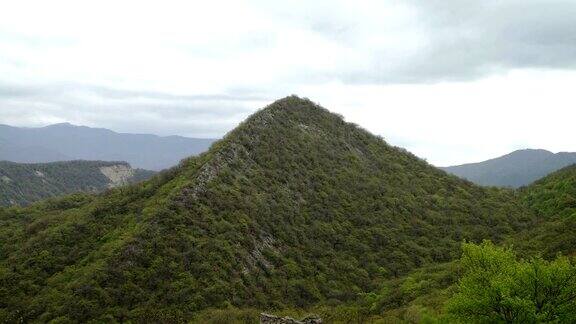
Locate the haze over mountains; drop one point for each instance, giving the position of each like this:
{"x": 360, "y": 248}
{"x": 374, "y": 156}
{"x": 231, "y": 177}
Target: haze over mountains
{"x": 61, "y": 142}
{"x": 516, "y": 169}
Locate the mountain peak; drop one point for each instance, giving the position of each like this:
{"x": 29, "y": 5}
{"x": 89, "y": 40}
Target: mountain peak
{"x": 515, "y": 169}
{"x": 61, "y": 125}
{"x": 295, "y": 106}
{"x": 292, "y": 110}
{"x": 532, "y": 152}
{"x": 290, "y": 102}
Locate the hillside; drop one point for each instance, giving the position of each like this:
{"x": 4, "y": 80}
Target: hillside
{"x": 293, "y": 208}
{"x": 427, "y": 291}
{"x": 516, "y": 169}
{"x": 553, "y": 200}
{"x": 22, "y": 184}
{"x": 62, "y": 142}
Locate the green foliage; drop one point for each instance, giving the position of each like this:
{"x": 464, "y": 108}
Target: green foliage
{"x": 553, "y": 201}
{"x": 23, "y": 183}
{"x": 294, "y": 208}
{"x": 427, "y": 287}
{"x": 554, "y": 195}
{"x": 498, "y": 288}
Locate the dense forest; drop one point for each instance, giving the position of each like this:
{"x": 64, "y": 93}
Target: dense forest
{"x": 24, "y": 183}
{"x": 553, "y": 200}
{"x": 294, "y": 212}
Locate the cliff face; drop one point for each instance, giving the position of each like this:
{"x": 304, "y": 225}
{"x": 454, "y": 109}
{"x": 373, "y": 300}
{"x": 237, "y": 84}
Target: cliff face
{"x": 119, "y": 174}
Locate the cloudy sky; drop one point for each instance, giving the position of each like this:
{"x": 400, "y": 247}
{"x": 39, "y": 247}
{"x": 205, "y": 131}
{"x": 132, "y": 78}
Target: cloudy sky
{"x": 453, "y": 81}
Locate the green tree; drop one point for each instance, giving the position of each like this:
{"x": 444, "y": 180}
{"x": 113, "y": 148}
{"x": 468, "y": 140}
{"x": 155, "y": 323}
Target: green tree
{"x": 498, "y": 288}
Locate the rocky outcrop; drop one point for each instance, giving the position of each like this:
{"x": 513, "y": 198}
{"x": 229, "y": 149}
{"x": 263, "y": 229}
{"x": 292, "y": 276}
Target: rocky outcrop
{"x": 256, "y": 258}
{"x": 118, "y": 175}
{"x": 271, "y": 319}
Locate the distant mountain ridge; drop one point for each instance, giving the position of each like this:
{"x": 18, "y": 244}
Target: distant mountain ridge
{"x": 515, "y": 169}
{"x": 62, "y": 142}
{"x": 23, "y": 183}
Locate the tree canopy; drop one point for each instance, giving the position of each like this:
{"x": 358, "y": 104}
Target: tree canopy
{"x": 496, "y": 287}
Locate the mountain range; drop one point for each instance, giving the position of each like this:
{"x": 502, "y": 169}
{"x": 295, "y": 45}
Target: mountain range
{"x": 293, "y": 209}
{"x": 24, "y": 183}
{"x": 515, "y": 169}
{"x": 62, "y": 142}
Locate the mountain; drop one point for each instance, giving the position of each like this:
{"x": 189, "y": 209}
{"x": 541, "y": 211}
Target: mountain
{"x": 22, "y": 184}
{"x": 516, "y": 169}
{"x": 293, "y": 208}
{"x": 63, "y": 142}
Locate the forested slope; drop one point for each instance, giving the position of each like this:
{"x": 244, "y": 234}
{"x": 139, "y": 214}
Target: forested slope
{"x": 293, "y": 208}
{"x": 537, "y": 283}
{"x": 553, "y": 200}
{"x": 22, "y": 183}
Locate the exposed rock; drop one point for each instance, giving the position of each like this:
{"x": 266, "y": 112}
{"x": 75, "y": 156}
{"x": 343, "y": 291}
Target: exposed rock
{"x": 39, "y": 174}
{"x": 256, "y": 258}
{"x": 310, "y": 129}
{"x": 271, "y": 319}
{"x": 210, "y": 170}
{"x": 119, "y": 175}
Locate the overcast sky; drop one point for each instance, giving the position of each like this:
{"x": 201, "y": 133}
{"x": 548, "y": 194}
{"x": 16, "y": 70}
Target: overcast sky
{"x": 453, "y": 81}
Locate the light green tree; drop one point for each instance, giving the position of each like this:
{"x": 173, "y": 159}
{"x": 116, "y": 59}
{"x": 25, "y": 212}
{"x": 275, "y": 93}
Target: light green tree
{"x": 496, "y": 287}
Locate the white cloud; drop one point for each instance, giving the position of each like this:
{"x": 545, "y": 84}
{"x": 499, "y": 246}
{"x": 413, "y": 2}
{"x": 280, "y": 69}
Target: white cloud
{"x": 452, "y": 81}
{"x": 458, "y": 122}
